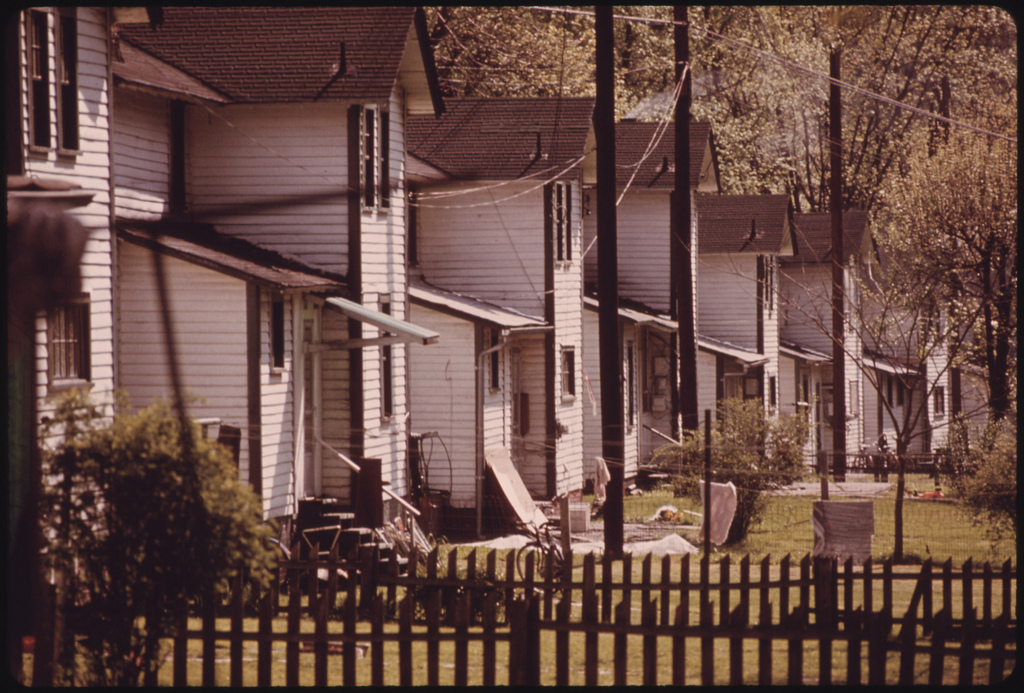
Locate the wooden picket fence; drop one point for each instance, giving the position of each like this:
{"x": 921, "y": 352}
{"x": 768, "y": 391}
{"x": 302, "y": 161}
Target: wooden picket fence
{"x": 789, "y": 612}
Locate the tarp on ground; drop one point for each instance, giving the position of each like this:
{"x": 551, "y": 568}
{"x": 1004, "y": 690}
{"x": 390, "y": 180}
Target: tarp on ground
{"x": 511, "y": 484}
{"x": 843, "y": 529}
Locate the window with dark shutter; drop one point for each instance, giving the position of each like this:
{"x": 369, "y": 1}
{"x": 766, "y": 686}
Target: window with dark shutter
{"x": 561, "y": 222}
{"x": 39, "y": 77}
{"x": 277, "y": 331}
{"x": 387, "y": 375}
{"x": 67, "y": 87}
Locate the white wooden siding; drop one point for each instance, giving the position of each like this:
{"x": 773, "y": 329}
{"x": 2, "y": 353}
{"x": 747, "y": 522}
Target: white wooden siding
{"x": 89, "y": 168}
{"x": 142, "y": 153}
{"x": 727, "y": 298}
{"x": 208, "y": 310}
{"x": 239, "y": 154}
{"x": 443, "y": 401}
{"x": 470, "y": 244}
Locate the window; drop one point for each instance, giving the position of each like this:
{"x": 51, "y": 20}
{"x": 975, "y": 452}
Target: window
{"x": 277, "y": 331}
{"x": 413, "y": 219}
{"x": 853, "y": 407}
{"x": 772, "y": 400}
{"x": 568, "y": 372}
{"x": 561, "y": 220}
{"x": 67, "y": 80}
{"x": 492, "y": 341}
{"x": 375, "y": 165}
{"x": 940, "y": 401}
{"x": 899, "y": 393}
{"x": 39, "y": 77}
{"x": 69, "y": 347}
{"x": 387, "y": 370}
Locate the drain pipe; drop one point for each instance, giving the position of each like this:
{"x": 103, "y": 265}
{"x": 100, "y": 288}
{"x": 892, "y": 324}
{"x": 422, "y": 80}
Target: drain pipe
{"x": 480, "y": 464}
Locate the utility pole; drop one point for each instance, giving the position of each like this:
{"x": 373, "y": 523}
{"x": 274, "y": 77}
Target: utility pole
{"x": 682, "y": 241}
{"x": 838, "y": 283}
{"x": 612, "y": 447}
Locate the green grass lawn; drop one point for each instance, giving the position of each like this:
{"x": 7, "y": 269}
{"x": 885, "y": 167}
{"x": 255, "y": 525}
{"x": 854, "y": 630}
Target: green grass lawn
{"x": 931, "y": 529}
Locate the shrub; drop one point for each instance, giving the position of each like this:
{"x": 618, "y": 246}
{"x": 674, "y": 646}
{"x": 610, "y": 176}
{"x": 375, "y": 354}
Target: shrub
{"x": 138, "y": 516}
{"x": 984, "y": 474}
{"x": 756, "y": 453}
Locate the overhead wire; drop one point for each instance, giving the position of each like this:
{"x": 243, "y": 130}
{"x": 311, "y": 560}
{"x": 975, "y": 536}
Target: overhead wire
{"x": 794, "y": 66}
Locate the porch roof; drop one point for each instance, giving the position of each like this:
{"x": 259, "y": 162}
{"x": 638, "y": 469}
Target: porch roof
{"x": 881, "y": 363}
{"x": 642, "y": 317}
{"x": 804, "y": 353}
{"x": 232, "y": 256}
{"x": 470, "y": 308}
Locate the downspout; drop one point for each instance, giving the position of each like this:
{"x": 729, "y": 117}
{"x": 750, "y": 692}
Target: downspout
{"x": 480, "y": 463}
{"x": 298, "y": 401}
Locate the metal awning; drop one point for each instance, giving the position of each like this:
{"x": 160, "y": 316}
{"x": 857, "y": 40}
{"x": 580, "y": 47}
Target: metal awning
{"x": 887, "y": 367}
{"x": 400, "y": 329}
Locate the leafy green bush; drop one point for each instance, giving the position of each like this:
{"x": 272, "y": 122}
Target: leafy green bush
{"x": 756, "y": 453}
{"x": 984, "y": 474}
{"x": 137, "y": 517}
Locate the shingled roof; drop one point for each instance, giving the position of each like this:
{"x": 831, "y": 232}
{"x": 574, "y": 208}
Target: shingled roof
{"x": 813, "y": 232}
{"x": 283, "y": 54}
{"x": 632, "y": 140}
{"x": 743, "y": 223}
{"x": 503, "y": 138}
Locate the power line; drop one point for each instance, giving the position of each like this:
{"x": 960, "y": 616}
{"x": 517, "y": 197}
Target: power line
{"x": 794, "y": 66}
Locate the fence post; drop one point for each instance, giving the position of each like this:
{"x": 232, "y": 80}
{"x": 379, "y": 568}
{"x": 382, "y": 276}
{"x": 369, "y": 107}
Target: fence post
{"x": 405, "y": 608}
{"x": 589, "y": 617}
{"x": 764, "y": 622}
{"x": 294, "y": 616}
{"x": 237, "y": 607}
{"x": 562, "y": 641}
{"x": 348, "y": 652}
{"x": 682, "y": 623}
{"x": 181, "y": 644}
{"x": 377, "y": 643}
{"x": 489, "y": 618}
{"x": 649, "y": 617}
{"x": 824, "y": 603}
{"x": 209, "y": 636}
{"x": 263, "y": 649}
{"x": 622, "y": 613}
{"x": 940, "y": 634}
{"x": 707, "y": 643}
{"x": 318, "y": 605}
{"x": 967, "y": 647}
{"x": 433, "y": 613}
{"x": 524, "y": 642}
{"x": 461, "y": 643}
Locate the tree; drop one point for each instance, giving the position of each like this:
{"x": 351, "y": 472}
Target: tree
{"x": 136, "y": 521}
{"x": 752, "y": 72}
{"x": 755, "y": 452}
{"x": 950, "y": 226}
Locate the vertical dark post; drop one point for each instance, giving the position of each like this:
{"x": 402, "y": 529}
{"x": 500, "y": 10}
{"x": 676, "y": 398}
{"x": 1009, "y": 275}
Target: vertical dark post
{"x": 838, "y": 255}
{"x": 707, "y": 483}
{"x": 682, "y": 238}
{"x": 608, "y": 282}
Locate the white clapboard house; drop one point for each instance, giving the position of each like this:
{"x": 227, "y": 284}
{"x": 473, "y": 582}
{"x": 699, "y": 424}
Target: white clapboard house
{"x": 736, "y": 338}
{"x": 881, "y": 388}
{"x": 58, "y": 145}
{"x": 496, "y": 258}
{"x": 271, "y": 142}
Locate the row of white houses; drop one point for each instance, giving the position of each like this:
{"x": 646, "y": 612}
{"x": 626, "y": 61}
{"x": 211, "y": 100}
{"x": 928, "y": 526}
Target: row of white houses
{"x": 359, "y": 269}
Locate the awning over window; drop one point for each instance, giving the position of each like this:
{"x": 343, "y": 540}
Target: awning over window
{"x": 405, "y": 331}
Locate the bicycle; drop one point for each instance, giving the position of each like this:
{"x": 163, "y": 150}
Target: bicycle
{"x": 544, "y": 549}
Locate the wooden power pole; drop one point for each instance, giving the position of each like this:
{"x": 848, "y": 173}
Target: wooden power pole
{"x": 681, "y": 231}
{"x": 838, "y": 283}
{"x": 612, "y": 433}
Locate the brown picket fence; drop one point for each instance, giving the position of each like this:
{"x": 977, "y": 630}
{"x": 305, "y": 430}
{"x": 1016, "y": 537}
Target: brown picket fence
{"x": 675, "y": 628}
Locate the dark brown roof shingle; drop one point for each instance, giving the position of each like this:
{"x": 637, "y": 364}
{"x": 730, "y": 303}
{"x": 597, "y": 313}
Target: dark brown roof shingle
{"x": 742, "y": 223}
{"x": 503, "y": 138}
{"x": 812, "y": 232}
{"x": 657, "y": 170}
{"x": 282, "y": 54}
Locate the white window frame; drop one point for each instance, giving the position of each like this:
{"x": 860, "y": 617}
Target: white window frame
{"x": 374, "y": 159}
